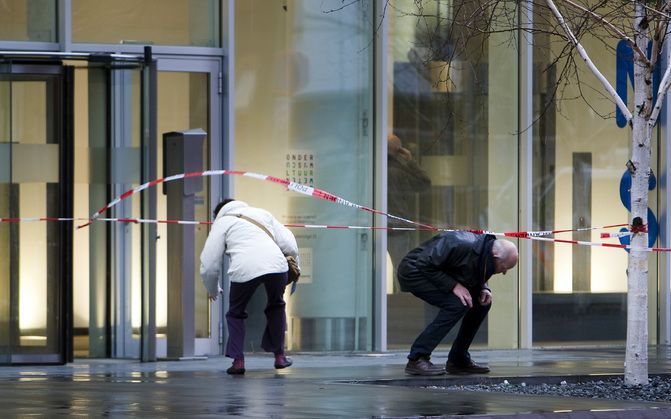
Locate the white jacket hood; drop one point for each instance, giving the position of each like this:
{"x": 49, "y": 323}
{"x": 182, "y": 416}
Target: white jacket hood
{"x": 251, "y": 251}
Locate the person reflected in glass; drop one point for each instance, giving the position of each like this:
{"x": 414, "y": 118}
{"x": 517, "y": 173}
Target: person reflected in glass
{"x": 243, "y": 234}
{"x": 450, "y": 271}
{"x": 405, "y": 179}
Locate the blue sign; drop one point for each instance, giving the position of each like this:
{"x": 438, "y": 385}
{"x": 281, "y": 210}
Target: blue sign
{"x": 625, "y": 197}
{"x": 624, "y": 71}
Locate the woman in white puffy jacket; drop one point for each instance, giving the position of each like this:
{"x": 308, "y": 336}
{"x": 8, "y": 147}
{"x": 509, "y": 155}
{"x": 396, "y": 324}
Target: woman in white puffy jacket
{"x": 255, "y": 258}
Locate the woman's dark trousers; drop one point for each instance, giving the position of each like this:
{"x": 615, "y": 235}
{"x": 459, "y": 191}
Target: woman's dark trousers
{"x": 276, "y": 319}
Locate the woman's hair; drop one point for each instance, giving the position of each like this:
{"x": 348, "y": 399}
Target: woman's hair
{"x": 220, "y": 205}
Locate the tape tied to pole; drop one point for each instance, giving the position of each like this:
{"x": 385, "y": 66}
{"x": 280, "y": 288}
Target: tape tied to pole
{"x": 637, "y": 226}
{"x": 320, "y": 194}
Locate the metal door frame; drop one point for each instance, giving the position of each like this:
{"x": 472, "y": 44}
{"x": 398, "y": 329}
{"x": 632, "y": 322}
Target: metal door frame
{"x": 61, "y": 107}
{"x": 214, "y": 67}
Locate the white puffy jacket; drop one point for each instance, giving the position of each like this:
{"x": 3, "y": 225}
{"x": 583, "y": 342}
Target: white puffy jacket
{"x": 252, "y": 253}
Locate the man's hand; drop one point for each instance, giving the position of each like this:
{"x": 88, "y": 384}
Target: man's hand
{"x": 405, "y": 153}
{"x": 463, "y": 294}
{"x": 485, "y": 297}
{"x": 213, "y": 297}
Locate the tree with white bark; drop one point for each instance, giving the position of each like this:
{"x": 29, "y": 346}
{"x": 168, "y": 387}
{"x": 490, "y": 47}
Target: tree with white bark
{"x": 644, "y": 25}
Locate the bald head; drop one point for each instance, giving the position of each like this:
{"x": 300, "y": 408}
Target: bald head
{"x": 394, "y": 144}
{"x": 505, "y": 256}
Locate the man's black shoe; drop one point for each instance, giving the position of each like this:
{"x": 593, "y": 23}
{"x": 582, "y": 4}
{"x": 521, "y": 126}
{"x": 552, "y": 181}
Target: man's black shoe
{"x": 423, "y": 367}
{"x": 469, "y": 368}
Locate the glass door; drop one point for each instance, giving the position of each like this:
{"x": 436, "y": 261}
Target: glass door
{"x": 35, "y": 181}
{"x": 110, "y": 259}
{"x": 188, "y": 98}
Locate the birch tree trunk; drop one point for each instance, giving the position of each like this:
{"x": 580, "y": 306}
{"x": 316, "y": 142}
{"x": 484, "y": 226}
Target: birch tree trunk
{"x": 636, "y": 357}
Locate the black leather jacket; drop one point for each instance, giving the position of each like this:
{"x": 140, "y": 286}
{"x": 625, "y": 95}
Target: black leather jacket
{"x": 447, "y": 259}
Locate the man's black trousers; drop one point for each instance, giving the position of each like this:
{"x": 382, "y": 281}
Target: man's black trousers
{"x": 451, "y": 311}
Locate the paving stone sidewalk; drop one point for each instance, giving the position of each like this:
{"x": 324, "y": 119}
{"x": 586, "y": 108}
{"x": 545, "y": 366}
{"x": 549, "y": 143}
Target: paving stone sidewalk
{"x": 317, "y": 386}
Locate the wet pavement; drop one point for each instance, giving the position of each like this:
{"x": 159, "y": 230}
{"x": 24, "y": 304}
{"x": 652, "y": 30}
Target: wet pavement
{"x": 317, "y": 386}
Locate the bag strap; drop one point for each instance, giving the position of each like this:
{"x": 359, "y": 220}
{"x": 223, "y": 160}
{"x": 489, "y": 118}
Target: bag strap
{"x": 253, "y": 221}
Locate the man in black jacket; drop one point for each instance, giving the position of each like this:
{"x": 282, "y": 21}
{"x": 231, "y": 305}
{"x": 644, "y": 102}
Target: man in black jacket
{"x": 450, "y": 271}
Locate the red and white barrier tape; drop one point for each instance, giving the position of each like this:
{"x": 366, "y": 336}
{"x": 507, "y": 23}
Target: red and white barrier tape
{"x": 316, "y": 193}
{"x": 303, "y": 189}
{"x": 585, "y": 243}
{"x": 188, "y": 222}
{"x": 531, "y": 235}
{"x": 616, "y": 235}
{"x": 292, "y": 186}
{"x": 521, "y": 234}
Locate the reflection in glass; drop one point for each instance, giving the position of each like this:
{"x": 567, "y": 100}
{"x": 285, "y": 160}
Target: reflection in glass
{"x": 575, "y": 186}
{"x": 453, "y": 115}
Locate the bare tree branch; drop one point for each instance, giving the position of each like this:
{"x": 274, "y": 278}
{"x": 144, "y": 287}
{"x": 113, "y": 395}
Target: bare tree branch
{"x": 663, "y": 89}
{"x": 337, "y": 9}
{"x": 609, "y": 88}
{"x": 608, "y": 24}
{"x": 660, "y": 33}
{"x": 659, "y": 11}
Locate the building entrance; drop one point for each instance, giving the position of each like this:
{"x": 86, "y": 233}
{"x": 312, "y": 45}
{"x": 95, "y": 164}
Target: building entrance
{"x": 71, "y": 129}
{"x": 36, "y": 139}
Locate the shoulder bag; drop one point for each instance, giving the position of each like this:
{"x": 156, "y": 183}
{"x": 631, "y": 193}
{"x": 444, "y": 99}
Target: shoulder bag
{"x": 294, "y": 270}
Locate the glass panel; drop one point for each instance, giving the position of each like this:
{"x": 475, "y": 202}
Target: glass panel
{"x": 304, "y": 112}
{"x": 91, "y": 247}
{"x": 29, "y": 127}
{"x": 577, "y": 185}
{"x": 131, "y": 164}
{"x": 107, "y": 256}
{"x": 5, "y": 228}
{"x": 183, "y": 104}
{"x": 453, "y": 107}
{"x": 38, "y": 262}
{"x": 5, "y": 126}
{"x": 33, "y": 266}
{"x": 82, "y": 238}
{"x": 164, "y": 22}
{"x": 28, "y": 20}
{"x": 125, "y": 175}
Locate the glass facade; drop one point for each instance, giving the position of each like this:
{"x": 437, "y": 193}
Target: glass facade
{"x": 28, "y": 20}
{"x": 580, "y": 181}
{"x": 147, "y": 22}
{"x": 303, "y": 111}
{"x": 299, "y": 105}
{"x": 453, "y": 106}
